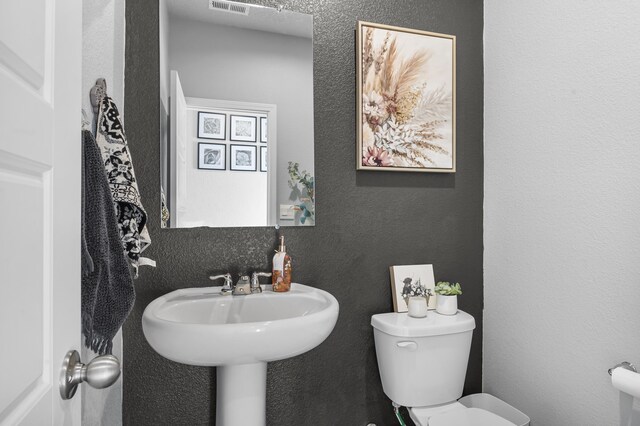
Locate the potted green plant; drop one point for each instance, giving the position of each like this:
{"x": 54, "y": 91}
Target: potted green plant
{"x": 306, "y": 195}
{"x": 447, "y": 297}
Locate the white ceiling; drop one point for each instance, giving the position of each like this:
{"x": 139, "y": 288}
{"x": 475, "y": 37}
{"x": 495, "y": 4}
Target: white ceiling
{"x": 259, "y": 18}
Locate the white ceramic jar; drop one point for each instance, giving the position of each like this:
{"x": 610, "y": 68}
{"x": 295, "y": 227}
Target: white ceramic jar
{"x": 417, "y": 306}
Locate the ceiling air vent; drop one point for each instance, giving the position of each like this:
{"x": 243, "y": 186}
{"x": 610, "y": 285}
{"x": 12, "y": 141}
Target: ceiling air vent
{"x": 229, "y": 6}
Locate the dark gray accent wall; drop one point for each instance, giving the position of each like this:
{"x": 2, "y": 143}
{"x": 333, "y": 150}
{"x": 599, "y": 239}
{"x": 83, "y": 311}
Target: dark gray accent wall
{"x": 366, "y": 222}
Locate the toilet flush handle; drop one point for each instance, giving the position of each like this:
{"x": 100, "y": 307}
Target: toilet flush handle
{"x": 410, "y": 345}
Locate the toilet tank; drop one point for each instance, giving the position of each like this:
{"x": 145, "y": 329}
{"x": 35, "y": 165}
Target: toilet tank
{"x": 422, "y": 361}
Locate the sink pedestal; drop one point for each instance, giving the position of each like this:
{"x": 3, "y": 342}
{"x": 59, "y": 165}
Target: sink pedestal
{"x": 241, "y": 394}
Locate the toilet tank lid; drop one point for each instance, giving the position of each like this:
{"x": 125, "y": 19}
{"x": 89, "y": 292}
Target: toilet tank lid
{"x": 402, "y": 325}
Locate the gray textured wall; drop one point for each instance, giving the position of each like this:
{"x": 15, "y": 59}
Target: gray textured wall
{"x": 366, "y": 222}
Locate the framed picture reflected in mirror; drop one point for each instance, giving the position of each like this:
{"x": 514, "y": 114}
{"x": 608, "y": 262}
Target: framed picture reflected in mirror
{"x": 263, "y": 129}
{"x": 243, "y": 128}
{"x": 211, "y": 125}
{"x": 263, "y": 159}
{"x": 212, "y": 156}
{"x": 243, "y": 158}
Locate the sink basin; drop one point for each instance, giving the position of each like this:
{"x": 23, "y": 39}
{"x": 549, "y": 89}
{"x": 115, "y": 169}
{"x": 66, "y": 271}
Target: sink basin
{"x": 239, "y": 335}
{"x": 199, "y": 326}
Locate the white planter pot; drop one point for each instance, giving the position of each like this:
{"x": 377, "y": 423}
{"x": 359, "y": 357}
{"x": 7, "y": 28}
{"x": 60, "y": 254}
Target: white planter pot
{"x": 417, "y": 306}
{"x": 446, "y": 305}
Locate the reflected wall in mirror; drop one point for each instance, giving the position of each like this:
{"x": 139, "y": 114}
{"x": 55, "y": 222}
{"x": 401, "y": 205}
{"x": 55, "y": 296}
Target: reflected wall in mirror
{"x": 236, "y": 102}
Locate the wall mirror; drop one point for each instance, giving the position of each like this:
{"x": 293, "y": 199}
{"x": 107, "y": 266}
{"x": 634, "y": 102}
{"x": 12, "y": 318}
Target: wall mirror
{"x": 236, "y": 115}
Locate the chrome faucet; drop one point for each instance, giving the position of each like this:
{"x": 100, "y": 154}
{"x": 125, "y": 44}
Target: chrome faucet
{"x": 227, "y": 287}
{"x": 255, "y": 281}
{"x": 244, "y": 286}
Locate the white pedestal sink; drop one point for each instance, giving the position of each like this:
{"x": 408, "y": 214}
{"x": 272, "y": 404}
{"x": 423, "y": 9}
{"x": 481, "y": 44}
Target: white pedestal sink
{"x": 239, "y": 335}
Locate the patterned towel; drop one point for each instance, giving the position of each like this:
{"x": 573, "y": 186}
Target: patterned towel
{"x": 132, "y": 217}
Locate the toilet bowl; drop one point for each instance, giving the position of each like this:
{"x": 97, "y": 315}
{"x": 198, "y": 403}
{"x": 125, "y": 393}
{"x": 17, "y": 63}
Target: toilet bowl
{"x": 467, "y": 417}
{"x": 423, "y": 364}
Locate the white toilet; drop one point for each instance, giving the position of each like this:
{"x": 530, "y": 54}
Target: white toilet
{"x": 423, "y": 363}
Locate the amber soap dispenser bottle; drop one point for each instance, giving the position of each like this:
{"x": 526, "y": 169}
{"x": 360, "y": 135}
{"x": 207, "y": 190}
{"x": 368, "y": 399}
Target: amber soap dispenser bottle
{"x": 281, "y": 274}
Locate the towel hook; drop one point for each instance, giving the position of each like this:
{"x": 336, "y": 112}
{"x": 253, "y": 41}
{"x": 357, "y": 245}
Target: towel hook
{"x": 97, "y": 93}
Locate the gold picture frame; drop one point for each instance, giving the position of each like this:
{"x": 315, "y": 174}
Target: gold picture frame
{"x": 406, "y": 99}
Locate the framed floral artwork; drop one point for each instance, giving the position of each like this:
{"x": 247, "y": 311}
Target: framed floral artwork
{"x": 212, "y": 156}
{"x": 263, "y": 129}
{"x": 243, "y": 158}
{"x": 411, "y": 280}
{"x": 243, "y": 128}
{"x": 263, "y": 159}
{"x": 211, "y": 125}
{"x": 406, "y": 99}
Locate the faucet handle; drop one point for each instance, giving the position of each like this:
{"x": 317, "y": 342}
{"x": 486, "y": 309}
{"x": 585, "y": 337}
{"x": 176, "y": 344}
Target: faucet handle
{"x": 227, "y": 287}
{"x": 255, "y": 281}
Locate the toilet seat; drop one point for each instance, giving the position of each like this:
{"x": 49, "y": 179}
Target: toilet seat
{"x": 468, "y": 417}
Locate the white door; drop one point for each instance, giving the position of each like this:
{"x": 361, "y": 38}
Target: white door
{"x": 178, "y": 151}
{"x": 40, "y": 65}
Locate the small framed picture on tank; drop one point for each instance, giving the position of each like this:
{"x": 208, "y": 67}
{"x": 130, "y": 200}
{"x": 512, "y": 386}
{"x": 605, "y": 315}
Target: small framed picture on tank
{"x": 411, "y": 280}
